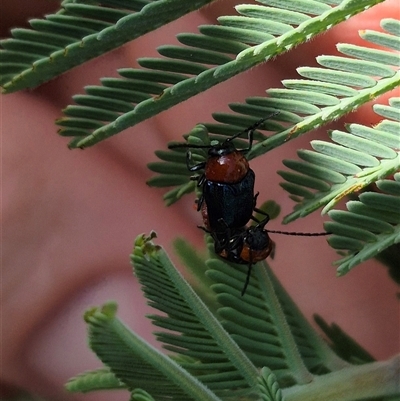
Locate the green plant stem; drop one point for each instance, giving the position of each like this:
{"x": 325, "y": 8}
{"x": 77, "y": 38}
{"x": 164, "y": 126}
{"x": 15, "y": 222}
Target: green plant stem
{"x": 288, "y": 344}
{"x": 230, "y": 348}
{"x": 376, "y": 379}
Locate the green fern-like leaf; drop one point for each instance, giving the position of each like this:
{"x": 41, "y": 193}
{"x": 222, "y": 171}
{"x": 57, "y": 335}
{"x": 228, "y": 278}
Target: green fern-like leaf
{"x": 80, "y": 31}
{"x": 269, "y": 387}
{"x": 354, "y": 160}
{"x": 305, "y": 105}
{"x": 183, "y": 72}
{"x": 270, "y": 330}
{"x": 265, "y": 309}
{"x": 343, "y": 344}
{"x": 348, "y": 164}
{"x": 136, "y": 363}
{"x": 100, "y": 379}
{"x": 288, "y": 345}
{"x": 204, "y": 346}
{"x": 369, "y": 225}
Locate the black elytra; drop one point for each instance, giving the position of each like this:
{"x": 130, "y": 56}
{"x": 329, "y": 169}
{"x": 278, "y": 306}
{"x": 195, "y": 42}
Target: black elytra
{"x": 233, "y": 203}
{"x": 227, "y": 181}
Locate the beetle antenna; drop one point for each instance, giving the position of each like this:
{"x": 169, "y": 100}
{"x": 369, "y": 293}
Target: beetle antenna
{"x": 254, "y": 126}
{"x": 299, "y": 233}
{"x": 187, "y": 145}
{"x": 249, "y": 129}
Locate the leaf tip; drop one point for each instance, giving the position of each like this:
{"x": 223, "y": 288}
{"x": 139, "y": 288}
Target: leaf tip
{"x": 108, "y": 310}
{"x": 144, "y": 246}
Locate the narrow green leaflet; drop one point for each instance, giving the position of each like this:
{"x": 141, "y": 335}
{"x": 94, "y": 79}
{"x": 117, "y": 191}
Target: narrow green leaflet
{"x": 141, "y": 395}
{"x": 343, "y": 344}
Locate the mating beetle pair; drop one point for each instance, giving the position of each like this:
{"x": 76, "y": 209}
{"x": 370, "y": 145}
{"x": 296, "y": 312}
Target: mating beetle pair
{"x": 228, "y": 201}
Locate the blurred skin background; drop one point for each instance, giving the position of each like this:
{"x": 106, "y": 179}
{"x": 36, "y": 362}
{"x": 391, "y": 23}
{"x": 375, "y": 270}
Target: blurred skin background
{"x": 70, "y": 217}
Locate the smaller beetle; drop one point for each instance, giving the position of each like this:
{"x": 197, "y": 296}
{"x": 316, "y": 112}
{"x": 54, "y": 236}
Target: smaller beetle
{"x": 244, "y": 246}
{"x": 248, "y": 245}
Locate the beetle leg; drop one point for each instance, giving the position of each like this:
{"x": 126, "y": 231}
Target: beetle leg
{"x": 247, "y": 280}
{"x": 196, "y": 167}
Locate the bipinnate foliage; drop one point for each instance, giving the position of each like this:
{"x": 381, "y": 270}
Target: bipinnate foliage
{"x": 257, "y": 346}
{"x": 83, "y": 29}
{"x": 79, "y": 31}
{"x": 222, "y": 346}
{"x": 351, "y": 161}
{"x": 355, "y": 158}
{"x": 344, "y": 166}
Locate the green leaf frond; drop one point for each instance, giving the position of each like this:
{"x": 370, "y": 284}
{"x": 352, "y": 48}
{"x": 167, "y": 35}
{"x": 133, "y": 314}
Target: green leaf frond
{"x": 264, "y": 356}
{"x": 352, "y": 161}
{"x": 265, "y": 324}
{"x": 368, "y": 226}
{"x": 80, "y": 31}
{"x": 205, "y": 348}
{"x": 345, "y": 83}
{"x": 269, "y": 387}
{"x": 216, "y": 54}
{"x": 343, "y": 344}
{"x": 99, "y": 379}
{"x": 136, "y": 363}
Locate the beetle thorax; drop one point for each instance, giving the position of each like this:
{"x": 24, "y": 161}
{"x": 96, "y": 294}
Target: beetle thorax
{"x": 229, "y": 168}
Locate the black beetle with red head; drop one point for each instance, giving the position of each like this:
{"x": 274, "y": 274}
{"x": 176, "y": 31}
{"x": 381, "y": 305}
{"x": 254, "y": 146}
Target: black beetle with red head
{"x": 227, "y": 181}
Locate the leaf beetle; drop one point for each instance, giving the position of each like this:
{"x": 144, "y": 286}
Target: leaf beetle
{"x": 227, "y": 181}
